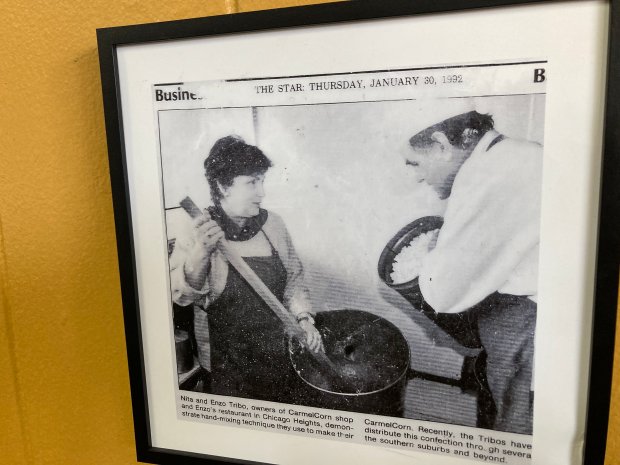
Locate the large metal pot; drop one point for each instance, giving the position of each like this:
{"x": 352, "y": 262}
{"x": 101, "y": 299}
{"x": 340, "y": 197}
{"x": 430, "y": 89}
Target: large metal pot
{"x": 461, "y": 326}
{"x": 371, "y": 357}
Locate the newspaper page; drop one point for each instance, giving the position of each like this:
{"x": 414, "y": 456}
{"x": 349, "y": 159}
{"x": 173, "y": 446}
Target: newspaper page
{"x": 354, "y": 256}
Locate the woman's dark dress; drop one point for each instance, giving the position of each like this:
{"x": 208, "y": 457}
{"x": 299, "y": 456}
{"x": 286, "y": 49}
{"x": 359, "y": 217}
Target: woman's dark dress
{"x": 249, "y": 354}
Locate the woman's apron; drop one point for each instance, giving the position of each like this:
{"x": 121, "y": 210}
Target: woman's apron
{"x": 249, "y": 351}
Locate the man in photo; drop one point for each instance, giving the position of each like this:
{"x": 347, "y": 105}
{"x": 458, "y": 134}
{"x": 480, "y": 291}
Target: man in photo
{"x": 486, "y": 256}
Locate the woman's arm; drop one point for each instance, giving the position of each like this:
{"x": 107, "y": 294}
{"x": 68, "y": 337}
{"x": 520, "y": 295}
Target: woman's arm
{"x": 191, "y": 259}
{"x": 296, "y": 295}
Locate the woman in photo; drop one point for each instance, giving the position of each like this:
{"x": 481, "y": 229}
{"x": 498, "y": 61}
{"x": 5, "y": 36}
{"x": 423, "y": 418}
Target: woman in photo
{"x": 238, "y": 336}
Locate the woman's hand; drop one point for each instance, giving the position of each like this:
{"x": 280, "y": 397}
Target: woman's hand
{"x": 313, "y": 338}
{"x": 207, "y": 233}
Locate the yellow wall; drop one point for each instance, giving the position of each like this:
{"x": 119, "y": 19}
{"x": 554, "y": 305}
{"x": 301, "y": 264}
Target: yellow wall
{"x": 64, "y": 393}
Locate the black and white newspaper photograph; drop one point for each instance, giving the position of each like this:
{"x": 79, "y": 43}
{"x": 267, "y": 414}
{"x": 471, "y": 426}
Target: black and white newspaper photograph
{"x": 354, "y": 256}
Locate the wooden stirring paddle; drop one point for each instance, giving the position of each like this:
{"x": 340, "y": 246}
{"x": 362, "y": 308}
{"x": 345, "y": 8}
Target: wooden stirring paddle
{"x": 291, "y": 327}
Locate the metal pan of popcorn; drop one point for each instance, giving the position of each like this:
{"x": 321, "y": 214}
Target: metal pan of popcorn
{"x": 399, "y": 268}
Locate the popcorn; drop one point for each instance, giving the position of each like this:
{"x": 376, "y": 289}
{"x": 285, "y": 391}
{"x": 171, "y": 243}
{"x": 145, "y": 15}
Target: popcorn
{"x": 408, "y": 263}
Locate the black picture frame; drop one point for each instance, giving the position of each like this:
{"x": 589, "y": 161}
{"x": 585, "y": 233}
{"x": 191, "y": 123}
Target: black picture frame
{"x": 607, "y": 257}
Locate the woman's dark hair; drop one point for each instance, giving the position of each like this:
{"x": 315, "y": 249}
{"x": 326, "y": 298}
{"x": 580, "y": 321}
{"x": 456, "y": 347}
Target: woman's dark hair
{"x": 230, "y": 157}
{"x": 463, "y": 131}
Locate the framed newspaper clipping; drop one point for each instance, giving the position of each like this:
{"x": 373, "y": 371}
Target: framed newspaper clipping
{"x": 369, "y": 232}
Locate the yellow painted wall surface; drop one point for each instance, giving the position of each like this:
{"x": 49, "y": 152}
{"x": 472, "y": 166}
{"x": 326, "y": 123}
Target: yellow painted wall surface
{"x": 64, "y": 397}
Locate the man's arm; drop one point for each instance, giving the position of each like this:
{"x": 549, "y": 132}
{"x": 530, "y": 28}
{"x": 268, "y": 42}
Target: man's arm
{"x": 490, "y": 225}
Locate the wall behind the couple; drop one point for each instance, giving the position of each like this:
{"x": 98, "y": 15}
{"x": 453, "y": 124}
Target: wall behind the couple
{"x": 65, "y": 393}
